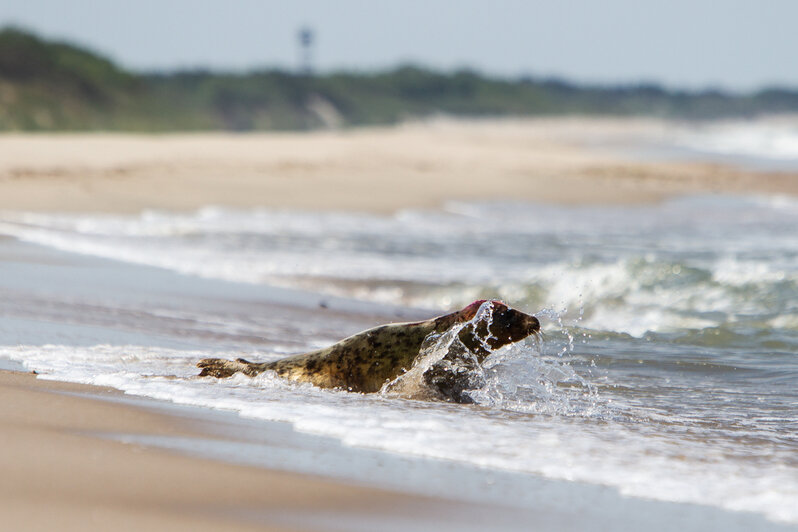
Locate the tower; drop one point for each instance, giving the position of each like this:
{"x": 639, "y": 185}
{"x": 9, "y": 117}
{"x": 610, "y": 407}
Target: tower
{"x": 305, "y": 37}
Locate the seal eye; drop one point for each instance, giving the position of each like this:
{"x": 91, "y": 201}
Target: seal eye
{"x": 503, "y": 315}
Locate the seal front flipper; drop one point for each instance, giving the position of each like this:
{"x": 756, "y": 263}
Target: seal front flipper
{"x": 454, "y": 374}
{"x": 221, "y": 368}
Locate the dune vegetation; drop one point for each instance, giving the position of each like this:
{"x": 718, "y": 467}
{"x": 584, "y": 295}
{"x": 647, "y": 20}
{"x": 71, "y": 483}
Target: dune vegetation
{"x": 56, "y": 86}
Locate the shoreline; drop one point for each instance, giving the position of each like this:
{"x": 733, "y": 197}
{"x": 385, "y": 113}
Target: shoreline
{"x": 380, "y": 170}
{"x": 68, "y": 445}
{"x": 185, "y": 469}
{"x": 59, "y": 474}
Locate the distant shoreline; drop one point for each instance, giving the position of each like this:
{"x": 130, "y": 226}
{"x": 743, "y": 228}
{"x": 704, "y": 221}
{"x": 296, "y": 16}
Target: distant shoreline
{"x": 382, "y": 170}
{"x": 56, "y": 86}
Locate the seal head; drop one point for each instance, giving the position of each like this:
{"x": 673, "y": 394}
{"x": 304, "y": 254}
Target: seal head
{"x": 491, "y": 326}
{"x": 501, "y": 326}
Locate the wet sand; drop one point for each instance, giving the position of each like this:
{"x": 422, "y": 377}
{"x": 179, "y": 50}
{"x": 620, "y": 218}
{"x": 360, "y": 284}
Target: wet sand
{"x": 376, "y": 170}
{"x": 57, "y": 475}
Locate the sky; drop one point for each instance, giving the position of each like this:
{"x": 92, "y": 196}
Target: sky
{"x": 737, "y": 45}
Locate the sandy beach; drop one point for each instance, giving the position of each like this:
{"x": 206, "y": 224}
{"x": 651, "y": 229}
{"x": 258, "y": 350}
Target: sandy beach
{"x": 58, "y": 475}
{"x": 61, "y": 469}
{"x": 374, "y": 170}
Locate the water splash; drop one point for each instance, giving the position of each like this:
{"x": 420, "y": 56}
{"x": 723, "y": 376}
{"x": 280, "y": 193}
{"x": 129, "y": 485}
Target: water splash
{"x": 516, "y": 377}
{"x": 523, "y": 378}
{"x": 465, "y": 365}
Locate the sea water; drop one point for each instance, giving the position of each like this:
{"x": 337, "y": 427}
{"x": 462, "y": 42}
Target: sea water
{"x": 668, "y": 368}
{"x": 763, "y": 143}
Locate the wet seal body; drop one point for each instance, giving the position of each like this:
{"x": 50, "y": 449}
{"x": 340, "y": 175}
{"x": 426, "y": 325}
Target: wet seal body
{"x": 366, "y": 361}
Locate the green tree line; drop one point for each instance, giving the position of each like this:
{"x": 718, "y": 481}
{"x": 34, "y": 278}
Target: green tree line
{"x": 54, "y": 86}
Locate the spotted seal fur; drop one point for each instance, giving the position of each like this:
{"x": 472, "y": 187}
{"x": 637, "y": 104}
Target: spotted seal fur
{"x": 368, "y": 360}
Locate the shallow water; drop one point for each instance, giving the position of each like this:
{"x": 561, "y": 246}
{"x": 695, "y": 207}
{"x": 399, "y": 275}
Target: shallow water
{"x": 669, "y": 368}
{"x": 760, "y": 144}
{"x": 765, "y": 142}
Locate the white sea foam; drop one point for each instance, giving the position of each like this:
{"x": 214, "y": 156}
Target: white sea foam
{"x": 767, "y": 139}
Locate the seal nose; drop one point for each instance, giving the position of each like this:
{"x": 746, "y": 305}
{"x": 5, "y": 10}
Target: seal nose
{"x": 532, "y": 325}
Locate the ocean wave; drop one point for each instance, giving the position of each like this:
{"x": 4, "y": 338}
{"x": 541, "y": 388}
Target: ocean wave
{"x": 768, "y": 139}
{"x": 694, "y": 263}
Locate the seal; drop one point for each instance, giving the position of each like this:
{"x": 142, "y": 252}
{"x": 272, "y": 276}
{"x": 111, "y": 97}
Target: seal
{"x": 367, "y": 361}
